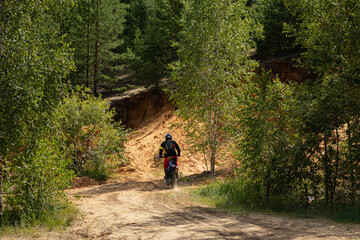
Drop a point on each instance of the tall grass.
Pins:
(240, 194)
(55, 219)
(232, 193)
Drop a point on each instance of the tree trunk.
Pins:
(334, 182)
(96, 63)
(352, 167)
(1, 176)
(212, 159)
(213, 139)
(2, 7)
(326, 169)
(267, 188)
(88, 47)
(306, 191)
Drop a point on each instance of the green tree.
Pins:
(94, 28)
(135, 20)
(34, 61)
(266, 139)
(153, 48)
(272, 14)
(212, 64)
(329, 33)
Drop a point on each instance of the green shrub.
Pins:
(34, 183)
(90, 137)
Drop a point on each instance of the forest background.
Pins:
(297, 143)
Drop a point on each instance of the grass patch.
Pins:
(348, 215)
(130, 86)
(120, 89)
(56, 220)
(237, 195)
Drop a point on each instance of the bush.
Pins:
(34, 183)
(81, 138)
(90, 137)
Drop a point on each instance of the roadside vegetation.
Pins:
(297, 144)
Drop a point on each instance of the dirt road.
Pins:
(149, 210)
(138, 205)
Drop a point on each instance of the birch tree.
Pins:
(213, 63)
(34, 60)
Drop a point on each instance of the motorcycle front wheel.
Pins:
(173, 179)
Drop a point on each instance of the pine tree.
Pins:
(96, 28)
(153, 49)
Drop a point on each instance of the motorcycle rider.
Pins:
(170, 147)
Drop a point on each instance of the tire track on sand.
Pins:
(149, 210)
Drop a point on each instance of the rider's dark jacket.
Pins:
(171, 153)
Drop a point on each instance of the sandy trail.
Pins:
(149, 210)
(140, 206)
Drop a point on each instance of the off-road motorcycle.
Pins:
(172, 172)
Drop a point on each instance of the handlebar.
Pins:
(169, 157)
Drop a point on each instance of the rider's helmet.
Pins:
(168, 136)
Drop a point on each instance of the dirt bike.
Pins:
(172, 172)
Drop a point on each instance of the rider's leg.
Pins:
(166, 172)
(166, 176)
(166, 165)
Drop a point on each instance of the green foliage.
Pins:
(290, 143)
(232, 193)
(301, 142)
(136, 21)
(34, 182)
(93, 142)
(238, 193)
(272, 14)
(34, 60)
(331, 126)
(94, 28)
(212, 62)
(350, 214)
(267, 141)
(329, 32)
(57, 219)
(153, 48)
